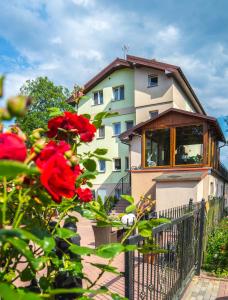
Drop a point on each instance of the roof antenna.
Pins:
(125, 50)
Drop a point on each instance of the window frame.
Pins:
(172, 146)
(128, 123)
(153, 111)
(148, 80)
(101, 137)
(127, 168)
(99, 170)
(113, 93)
(113, 126)
(144, 149)
(98, 91)
(114, 169)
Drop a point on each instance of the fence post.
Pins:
(201, 236)
(190, 205)
(128, 273)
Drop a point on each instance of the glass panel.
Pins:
(153, 114)
(117, 164)
(189, 145)
(129, 124)
(157, 147)
(152, 80)
(102, 165)
(121, 93)
(95, 97)
(116, 94)
(126, 163)
(101, 132)
(101, 97)
(117, 128)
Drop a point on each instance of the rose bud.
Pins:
(74, 160)
(4, 114)
(17, 105)
(39, 145)
(68, 154)
(36, 134)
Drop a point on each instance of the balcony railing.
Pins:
(223, 170)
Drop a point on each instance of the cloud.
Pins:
(70, 41)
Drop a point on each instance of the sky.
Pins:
(71, 40)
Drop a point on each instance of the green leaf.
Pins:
(102, 157)
(7, 292)
(44, 283)
(118, 297)
(80, 250)
(130, 247)
(64, 233)
(90, 164)
(145, 228)
(128, 198)
(27, 274)
(130, 208)
(48, 244)
(87, 116)
(11, 168)
(101, 151)
(106, 268)
(109, 250)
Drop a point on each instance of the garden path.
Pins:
(206, 288)
(113, 282)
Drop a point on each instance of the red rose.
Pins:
(49, 150)
(77, 170)
(12, 147)
(58, 178)
(84, 195)
(74, 123)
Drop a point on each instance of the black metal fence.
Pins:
(165, 274)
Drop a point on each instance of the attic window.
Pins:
(152, 80)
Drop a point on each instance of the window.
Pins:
(153, 114)
(101, 132)
(116, 128)
(118, 93)
(117, 164)
(126, 163)
(189, 145)
(157, 147)
(212, 188)
(129, 124)
(152, 80)
(98, 97)
(102, 166)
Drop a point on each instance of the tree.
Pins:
(45, 95)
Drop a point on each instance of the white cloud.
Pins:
(70, 41)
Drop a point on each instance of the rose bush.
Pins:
(41, 188)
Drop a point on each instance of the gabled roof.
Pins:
(134, 61)
(138, 128)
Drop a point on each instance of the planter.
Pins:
(149, 258)
(104, 235)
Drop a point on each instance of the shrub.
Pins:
(216, 258)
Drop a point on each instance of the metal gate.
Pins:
(164, 275)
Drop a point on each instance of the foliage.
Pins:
(216, 259)
(43, 187)
(45, 95)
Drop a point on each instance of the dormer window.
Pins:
(98, 97)
(152, 80)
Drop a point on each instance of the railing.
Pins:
(223, 170)
(163, 275)
(123, 187)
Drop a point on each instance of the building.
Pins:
(138, 89)
(176, 157)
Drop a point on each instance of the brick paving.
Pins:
(206, 288)
(200, 288)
